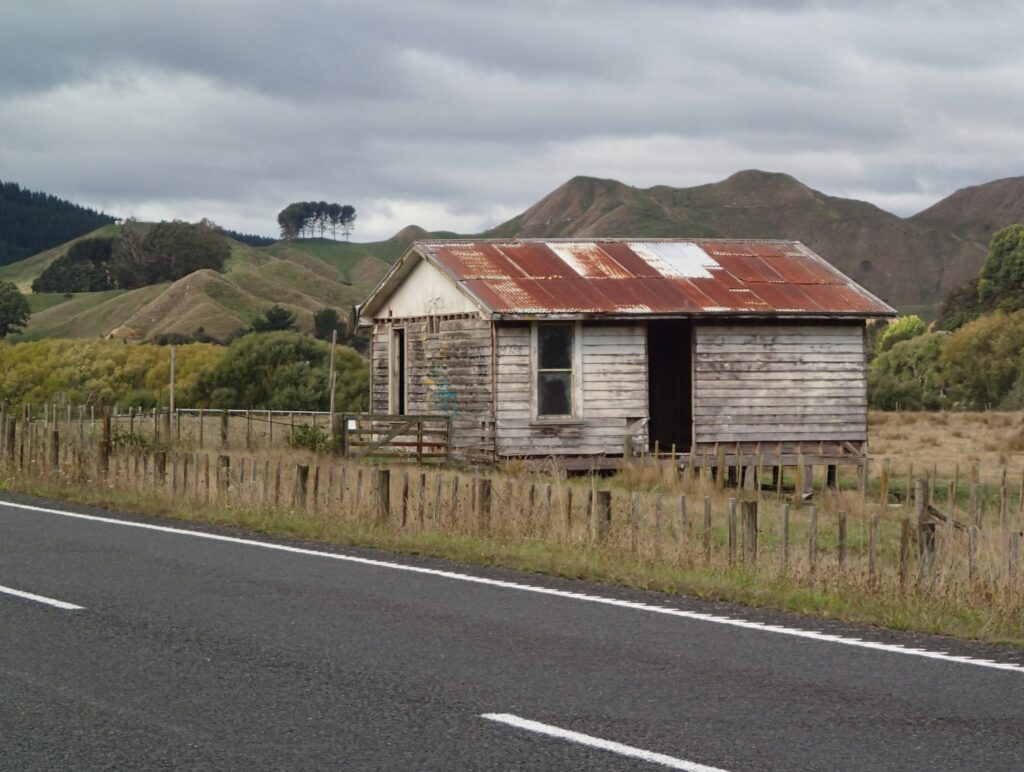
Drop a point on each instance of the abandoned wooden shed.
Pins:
(587, 349)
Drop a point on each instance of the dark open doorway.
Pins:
(398, 374)
(670, 380)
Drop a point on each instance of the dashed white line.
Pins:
(596, 742)
(40, 599)
(795, 632)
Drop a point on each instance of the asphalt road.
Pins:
(208, 653)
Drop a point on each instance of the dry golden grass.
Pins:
(546, 522)
(943, 441)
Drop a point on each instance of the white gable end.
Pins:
(425, 291)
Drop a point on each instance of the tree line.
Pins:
(308, 218)
(31, 221)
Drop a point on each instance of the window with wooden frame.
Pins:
(556, 359)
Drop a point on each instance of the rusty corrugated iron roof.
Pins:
(637, 277)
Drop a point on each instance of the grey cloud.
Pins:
(468, 107)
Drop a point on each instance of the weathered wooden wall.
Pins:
(448, 371)
(775, 383)
(614, 390)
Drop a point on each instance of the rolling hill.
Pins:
(302, 276)
(908, 262)
(977, 212)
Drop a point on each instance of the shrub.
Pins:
(100, 372)
(900, 329)
(311, 437)
(911, 375)
(167, 252)
(982, 360)
(283, 371)
(85, 268)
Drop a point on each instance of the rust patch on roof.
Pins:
(656, 276)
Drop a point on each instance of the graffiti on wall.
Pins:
(440, 392)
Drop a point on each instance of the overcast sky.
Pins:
(457, 115)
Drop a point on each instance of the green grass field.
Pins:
(41, 301)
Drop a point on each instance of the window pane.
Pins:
(554, 394)
(554, 344)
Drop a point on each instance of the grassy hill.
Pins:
(904, 261)
(303, 276)
(910, 262)
(975, 213)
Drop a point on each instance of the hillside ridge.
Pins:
(907, 262)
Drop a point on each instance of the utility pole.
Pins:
(333, 375)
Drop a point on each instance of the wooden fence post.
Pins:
(785, 538)
(421, 504)
(842, 539)
(104, 449)
(301, 486)
(904, 551)
(732, 531)
(873, 552)
(382, 493)
(483, 504)
(707, 529)
(925, 528)
(812, 540)
(54, 449)
(602, 515)
(160, 467)
(223, 476)
(634, 524)
(681, 525)
(224, 428)
(405, 498)
(748, 510)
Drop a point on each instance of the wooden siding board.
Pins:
(446, 372)
(614, 390)
(771, 383)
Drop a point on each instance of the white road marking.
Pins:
(796, 632)
(40, 599)
(596, 742)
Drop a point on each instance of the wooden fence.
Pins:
(648, 513)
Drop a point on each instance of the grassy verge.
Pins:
(832, 598)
